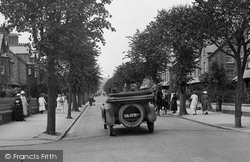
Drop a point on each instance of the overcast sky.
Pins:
(127, 16)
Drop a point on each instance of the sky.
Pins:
(127, 17)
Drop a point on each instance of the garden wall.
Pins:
(6, 108)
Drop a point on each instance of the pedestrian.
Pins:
(153, 88)
(24, 103)
(194, 102)
(17, 112)
(173, 102)
(65, 103)
(158, 99)
(42, 103)
(165, 103)
(46, 100)
(205, 103)
(59, 106)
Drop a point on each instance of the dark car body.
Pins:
(130, 109)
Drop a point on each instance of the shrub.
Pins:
(11, 92)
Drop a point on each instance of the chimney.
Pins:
(13, 39)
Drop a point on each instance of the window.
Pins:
(248, 64)
(3, 68)
(229, 59)
(35, 73)
(195, 73)
(167, 76)
(29, 71)
(204, 67)
(11, 70)
(230, 74)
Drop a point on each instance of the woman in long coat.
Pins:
(17, 113)
(205, 102)
(158, 99)
(173, 103)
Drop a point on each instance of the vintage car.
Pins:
(130, 109)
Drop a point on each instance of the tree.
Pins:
(109, 85)
(45, 21)
(178, 30)
(129, 73)
(148, 51)
(226, 24)
(216, 81)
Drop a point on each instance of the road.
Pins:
(174, 140)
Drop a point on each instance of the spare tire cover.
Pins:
(131, 115)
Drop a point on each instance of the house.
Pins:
(5, 60)
(19, 64)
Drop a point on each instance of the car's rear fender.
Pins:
(150, 112)
(109, 116)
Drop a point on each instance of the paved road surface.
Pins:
(174, 140)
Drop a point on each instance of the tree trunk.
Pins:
(83, 98)
(238, 104)
(70, 101)
(51, 115)
(75, 106)
(183, 110)
(79, 99)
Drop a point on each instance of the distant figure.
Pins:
(17, 113)
(25, 103)
(158, 99)
(65, 103)
(194, 102)
(173, 102)
(165, 102)
(59, 107)
(42, 103)
(205, 102)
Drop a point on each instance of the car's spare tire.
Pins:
(131, 115)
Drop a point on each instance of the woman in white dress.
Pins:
(42, 103)
(59, 107)
(25, 103)
(65, 104)
(194, 102)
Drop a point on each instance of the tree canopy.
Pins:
(226, 24)
(52, 24)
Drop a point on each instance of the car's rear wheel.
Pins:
(150, 126)
(131, 115)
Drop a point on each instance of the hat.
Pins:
(22, 92)
(18, 94)
(205, 92)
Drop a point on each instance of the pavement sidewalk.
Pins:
(31, 131)
(217, 119)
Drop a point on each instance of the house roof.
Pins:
(195, 80)
(246, 75)
(20, 49)
(165, 83)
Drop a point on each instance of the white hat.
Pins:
(205, 92)
(18, 94)
(22, 92)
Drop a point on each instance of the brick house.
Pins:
(19, 65)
